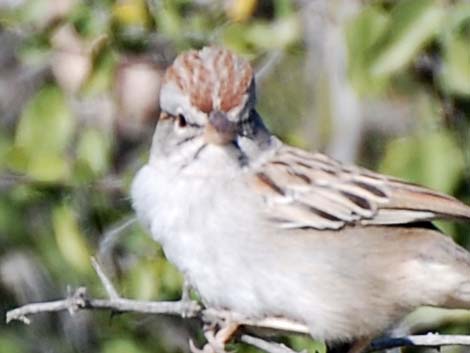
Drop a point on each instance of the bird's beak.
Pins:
(220, 130)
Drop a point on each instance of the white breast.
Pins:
(206, 226)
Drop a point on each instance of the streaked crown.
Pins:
(211, 79)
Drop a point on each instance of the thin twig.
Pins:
(267, 66)
(108, 286)
(113, 234)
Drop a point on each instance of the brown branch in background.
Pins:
(79, 300)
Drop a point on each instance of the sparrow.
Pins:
(264, 229)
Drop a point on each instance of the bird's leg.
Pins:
(218, 339)
(217, 334)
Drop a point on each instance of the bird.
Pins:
(265, 229)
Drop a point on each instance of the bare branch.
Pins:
(191, 309)
(188, 308)
(79, 301)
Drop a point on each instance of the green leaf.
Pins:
(11, 231)
(101, 78)
(306, 344)
(234, 37)
(48, 166)
(17, 159)
(144, 281)
(131, 13)
(45, 129)
(122, 345)
(362, 34)
(454, 76)
(9, 344)
(46, 122)
(35, 12)
(455, 73)
(71, 242)
(84, 19)
(277, 34)
(169, 21)
(5, 146)
(171, 279)
(433, 160)
(280, 33)
(412, 24)
(283, 8)
(93, 152)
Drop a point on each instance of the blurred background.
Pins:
(385, 84)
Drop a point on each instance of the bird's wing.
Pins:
(306, 190)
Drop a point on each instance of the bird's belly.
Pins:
(212, 232)
(207, 234)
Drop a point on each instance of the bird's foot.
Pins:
(217, 336)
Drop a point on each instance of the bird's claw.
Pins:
(216, 339)
(212, 346)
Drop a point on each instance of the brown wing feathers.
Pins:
(410, 197)
(312, 190)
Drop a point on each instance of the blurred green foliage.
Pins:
(43, 133)
(71, 137)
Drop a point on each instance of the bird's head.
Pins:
(207, 98)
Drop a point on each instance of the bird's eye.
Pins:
(181, 120)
